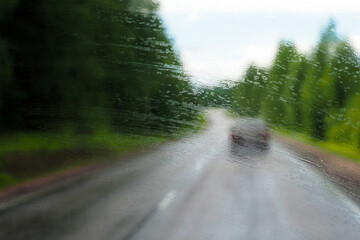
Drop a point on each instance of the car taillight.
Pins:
(266, 135)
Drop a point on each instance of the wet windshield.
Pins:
(179, 119)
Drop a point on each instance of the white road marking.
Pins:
(167, 200)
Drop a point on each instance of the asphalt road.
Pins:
(202, 187)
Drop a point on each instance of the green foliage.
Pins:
(6, 7)
(217, 96)
(345, 73)
(274, 103)
(247, 94)
(6, 83)
(314, 101)
(297, 73)
(344, 149)
(316, 94)
(85, 76)
(85, 65)
(6, 180)
(346, 126)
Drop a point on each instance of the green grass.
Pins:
(27, 155)
(7, 180)
(341, 149)
(122, 143)
(33, 141)
(24, 156)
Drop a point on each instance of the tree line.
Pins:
(87, 65)
(316, 93)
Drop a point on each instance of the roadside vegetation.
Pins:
(33, 154)
(314, 97)
(28, 155)
(84, 80)
(342, 149)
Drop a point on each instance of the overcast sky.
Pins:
(217, 39)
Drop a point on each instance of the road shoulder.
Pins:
(343, 170)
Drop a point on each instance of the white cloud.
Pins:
(355, 41)
(304, 46)
(259, 55)
(213, 67)
(210, 68)
(195, 7)
(217, 58)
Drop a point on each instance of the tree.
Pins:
(297, 75)
(273, 108)
(88, 65)
(345, 72)
(248, 93)
(315, 99)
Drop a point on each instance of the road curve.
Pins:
(202, 187)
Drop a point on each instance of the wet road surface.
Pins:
(202, 187)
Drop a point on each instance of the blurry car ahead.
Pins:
(252, 131)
